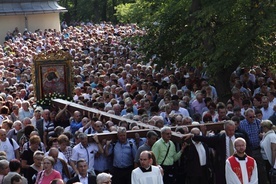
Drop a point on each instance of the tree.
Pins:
(221, 34)
(87, 10)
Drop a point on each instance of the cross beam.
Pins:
(144, 128)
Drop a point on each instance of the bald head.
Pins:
(27, 121)
(3, 135)
(53, 152)
(77, 116)
(195, 131)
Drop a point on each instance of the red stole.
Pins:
(235, 165)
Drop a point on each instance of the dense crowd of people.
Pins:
(40, 145)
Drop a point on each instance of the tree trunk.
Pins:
(222, 84)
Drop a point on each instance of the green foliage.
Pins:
(92, 10)
(89, 10)
(221, 33)
(124, 12)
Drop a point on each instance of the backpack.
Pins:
(11, 141)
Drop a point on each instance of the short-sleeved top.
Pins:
(124, 154)
(88, 153)
(8, 148)
(43, 179)
(31, 175)
(28, 156)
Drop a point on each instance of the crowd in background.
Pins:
(111, 75)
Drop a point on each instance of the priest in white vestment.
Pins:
(240, 168)
(146, 173)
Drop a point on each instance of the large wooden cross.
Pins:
(144, 128)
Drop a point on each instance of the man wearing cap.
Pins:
(37, 115)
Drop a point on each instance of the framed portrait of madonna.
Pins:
(52, 75)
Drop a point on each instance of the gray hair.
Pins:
(102, 177)
(229, 123)
(82, 136)
(17, 122)
(121, 130)
(267, 123)
(165, 128)
(3, 164)
(248, 110)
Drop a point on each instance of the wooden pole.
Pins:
(144, 128)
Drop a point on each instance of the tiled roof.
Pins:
(16, 7)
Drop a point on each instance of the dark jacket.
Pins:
(272, 118)
(193, 162)
(40, 128)
(218, 142)
(91, 179)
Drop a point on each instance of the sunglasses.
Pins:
(251, 117)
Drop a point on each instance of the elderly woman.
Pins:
(49, 173)
(104, 178)
(4, 169)
(35, 168)
(27, 155)
(268, 144)
(64, 142)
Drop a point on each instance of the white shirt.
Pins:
(8, 148)
(227, 145)
(152, 177)
(84, 180)
(87, 153)
(201, 152)
(267, 112)
(60, 155)
(34, 120)
(182, 111)
(272, 103)
(232, 178)
(23, 114)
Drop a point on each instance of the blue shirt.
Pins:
(58, 166)
(75, 126)
(124, 154)
(253, 130)
(135, 111)
(102, 163)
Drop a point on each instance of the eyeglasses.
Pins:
(251, 117)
